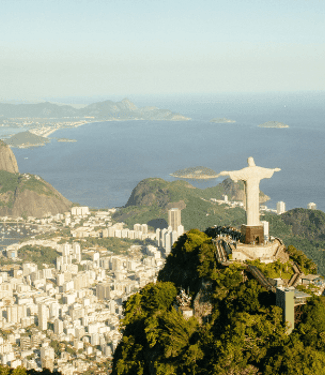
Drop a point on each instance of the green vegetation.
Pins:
(303, 230)
(26, 139)
(8, 181)
(56, 346)
(134, 214)
(115, 245)
(36, 185)
(8, 184)
(275, 269)
(236, 327)
(11, 183)
(307, 265)
(152, 198)
(38, 255)
(195, 172)
(5, 370)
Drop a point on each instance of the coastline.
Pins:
(46, 131)
(192, 177)
(49, 126)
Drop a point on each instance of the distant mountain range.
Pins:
(123, 110)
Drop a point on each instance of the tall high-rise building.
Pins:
(15, 313)
(158, 236)
(163, 233)
(180, 230)
(66, 249)
(280, 208)
(42, 317)
(266, 230)
(144, 228)
(168, 242)
(47, 357)
(103, 291)
(174, 218)
(58, 326)
(137, 227)
(54, 310)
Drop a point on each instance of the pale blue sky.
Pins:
(51, 48)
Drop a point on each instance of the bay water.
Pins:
(110, 158)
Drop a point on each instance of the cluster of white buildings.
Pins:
(166, 237)
(226, 201)
(139, 231)
(280, 206)
(77, 303)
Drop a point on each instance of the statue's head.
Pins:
(251, 162)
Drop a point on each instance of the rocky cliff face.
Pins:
(236, 192)
(8, 161)
(26, 195)
(148, 192)
(156, 191)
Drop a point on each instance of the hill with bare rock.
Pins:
(26, 194)
(151, 199)
(29, 195)
(8, 161)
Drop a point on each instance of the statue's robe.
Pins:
(252, 176)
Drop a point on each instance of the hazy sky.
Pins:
(51, 48)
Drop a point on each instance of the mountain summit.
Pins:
(206, 319)
(8, 161)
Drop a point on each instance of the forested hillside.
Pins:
(235, 329)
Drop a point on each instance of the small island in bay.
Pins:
(222, 120)
(273, 124)
(66, 140)
(197, 173)
(26, 140)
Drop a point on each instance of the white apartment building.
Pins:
(280, 207)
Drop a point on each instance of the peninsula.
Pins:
(273, 124)
(196, 173)
(43, 119)
(26, 140)
(107, 110)
(222, 120)
(66, 140)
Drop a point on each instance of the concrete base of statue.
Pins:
(253, 234)
(266, 253)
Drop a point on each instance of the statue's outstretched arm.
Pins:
(224, 173)
(277, 169)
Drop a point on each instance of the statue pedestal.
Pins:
(253, 233)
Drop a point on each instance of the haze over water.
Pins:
(110, 158)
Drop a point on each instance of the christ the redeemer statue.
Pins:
(251, 175)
